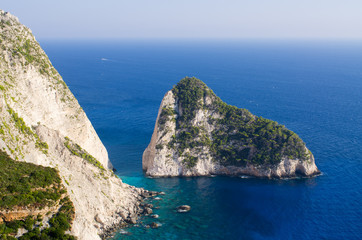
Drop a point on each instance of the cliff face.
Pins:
(197, 134)
(42, 123)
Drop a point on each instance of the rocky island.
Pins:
(197, 134)
(56, 180)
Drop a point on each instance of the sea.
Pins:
(314, 88)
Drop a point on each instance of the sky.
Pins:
(214, 19)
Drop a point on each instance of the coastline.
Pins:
(132, 219)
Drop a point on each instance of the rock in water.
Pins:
(155, 225)
(148, 211)
(183, 208)
(45, 125)
(197, 134)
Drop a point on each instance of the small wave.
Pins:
(104, 59)
(244, 176)
(124, 232)
(181, 211)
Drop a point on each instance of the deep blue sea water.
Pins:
(313, 88)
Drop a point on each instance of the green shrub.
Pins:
(159, 146)
(19, 179)
(76, 150)
(29, 185)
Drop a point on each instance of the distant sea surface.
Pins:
(313, 88)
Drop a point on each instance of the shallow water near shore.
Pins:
(313, 88)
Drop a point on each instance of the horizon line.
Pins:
(196, 39)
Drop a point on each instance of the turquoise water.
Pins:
(314, 88)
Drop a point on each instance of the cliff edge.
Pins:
(197, 134)
(42, 123)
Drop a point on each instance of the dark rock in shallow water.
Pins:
(155, 225)
(147, 194)
(147, 205)
(183, 208)
(153, 193)
(148, 210)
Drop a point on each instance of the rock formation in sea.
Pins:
(197, 134)
(43, 123)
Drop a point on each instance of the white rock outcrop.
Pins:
(39, 115)
(163, 158)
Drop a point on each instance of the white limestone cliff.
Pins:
(162, 160)
(39, 116)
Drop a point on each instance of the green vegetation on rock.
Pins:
(189, 92)
(26, 184)
(24, 129)
(19, 49)
(76, 150)
(166, 113)
(19, 122)
(238, 137)
(59, 222)
(23, 46)
(29, 186)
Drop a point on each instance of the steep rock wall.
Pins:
(42, 123)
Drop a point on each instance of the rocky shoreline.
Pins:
(143, 209)
(245, 175)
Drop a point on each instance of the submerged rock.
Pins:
(196, 134)
(155, 225)
(183, 208)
